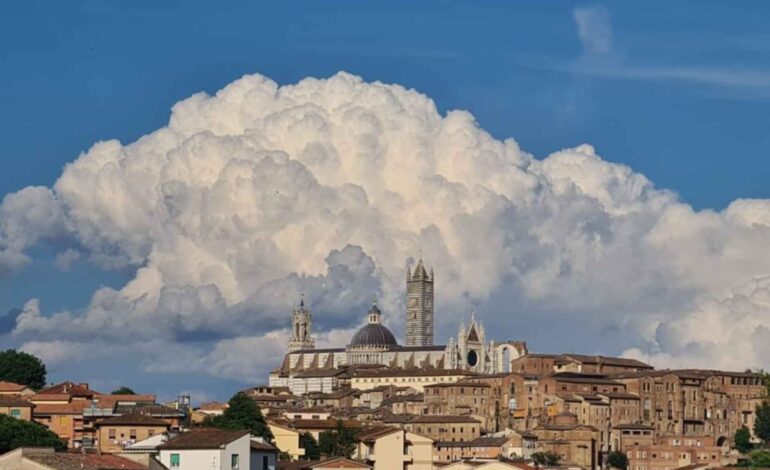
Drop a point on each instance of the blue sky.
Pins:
(678, 91)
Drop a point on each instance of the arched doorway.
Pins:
(722, 441)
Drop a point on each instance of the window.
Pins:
(16, 413)
(132, 434)
(174, 460)
(234, 461)
(111, 433)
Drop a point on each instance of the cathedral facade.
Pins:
(375, 345)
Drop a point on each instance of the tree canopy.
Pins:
(22, 368)
(308, 442)
(742, 440)
(123, 391)
(762, 422)
(760, 459)
(617, 460)
(15, 433)
(548, 458)
(338, 442)
(242, 413)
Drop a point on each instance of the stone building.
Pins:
(549, 364)
(575, 443)
(461, 398)
(674, 452)
(696, 402)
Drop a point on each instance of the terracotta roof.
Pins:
(410, 372)
(6, 400)
(323, 423)
(590, 379)
(489, 442)
(263, 446)
(40, 397)
(204, 438)
(320, 373)
(104, 399)
(431, 419)
(139, 419)
(78, 461)
(338, 463)
(632, 426)
(69, 388)
(152, 410)
(611, 361)
(11, 387)
(74, 408)
(318, 464)
(213, 406)
(370, 435)
(459, 383)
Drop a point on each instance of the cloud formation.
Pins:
(594, 28)
(261, 192)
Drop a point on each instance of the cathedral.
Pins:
(375, 345)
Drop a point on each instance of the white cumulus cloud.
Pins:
(327, 187)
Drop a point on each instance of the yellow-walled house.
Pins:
(286, 440)
(388, 448)
(16, 407)
(115, 433)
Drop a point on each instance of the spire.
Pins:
(419, 271)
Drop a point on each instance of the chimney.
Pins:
(84, 385)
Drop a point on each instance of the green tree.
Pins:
(308, 442)
(16, 433)
(742, 440)
(617, 460)
(242, 413)
(760, 459)
(338, 442)
(22, 368)
(547, 459)
(123, 391)
(765, 376)
(762, 422)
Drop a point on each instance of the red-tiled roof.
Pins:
(11, 387)
(76, 408)
(69, 388)
(78, 461)
(204, 438)
(138, 419)
(6, 400)
(213, 406)
(431, 419)
(370, 435)
(263, 446)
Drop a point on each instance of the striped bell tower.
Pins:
(419, 306)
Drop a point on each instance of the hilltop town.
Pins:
(374, 403)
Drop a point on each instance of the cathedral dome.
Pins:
(373, 334)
